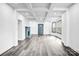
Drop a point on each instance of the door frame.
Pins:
(42, 29)
(27, 32)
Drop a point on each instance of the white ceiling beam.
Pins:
(54, 9)
(30, 6)
(33, 17)
(40, 9)
(33, 12)
(29, 17)
(59, 9)
(34, 9)
(50, 11)
(22, 10)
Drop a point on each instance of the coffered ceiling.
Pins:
(40, 11)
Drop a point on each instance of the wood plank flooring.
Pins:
(44, 46)
(40, 46)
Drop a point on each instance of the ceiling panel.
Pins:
(26, 14)
(40, 5)
(19, 5)
(62, 5)
(40, 10)
(40, 14)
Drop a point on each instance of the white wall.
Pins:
(8, 27)
(73, 29)
(65, 28)
(74, 26)
(19, 30)
(9, 33)
(34, 26)
(47, 27)
(21, 26)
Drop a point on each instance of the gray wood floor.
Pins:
(44, 46)
(39, 46)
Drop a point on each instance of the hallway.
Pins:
(21, 25)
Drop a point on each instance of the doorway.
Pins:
(19, 30)
(27, 32)
(40, 29)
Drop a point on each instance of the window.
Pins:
(54, 27)
(57, 27)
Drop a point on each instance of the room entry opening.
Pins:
(27, 32)
(40, 29)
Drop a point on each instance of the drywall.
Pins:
(71, 27)
(34, 26)
(19, 30)
(8, 27)
(74, 26)
(65, 28)
(47, 27)
(21, 26)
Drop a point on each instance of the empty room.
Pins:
(39, 29)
